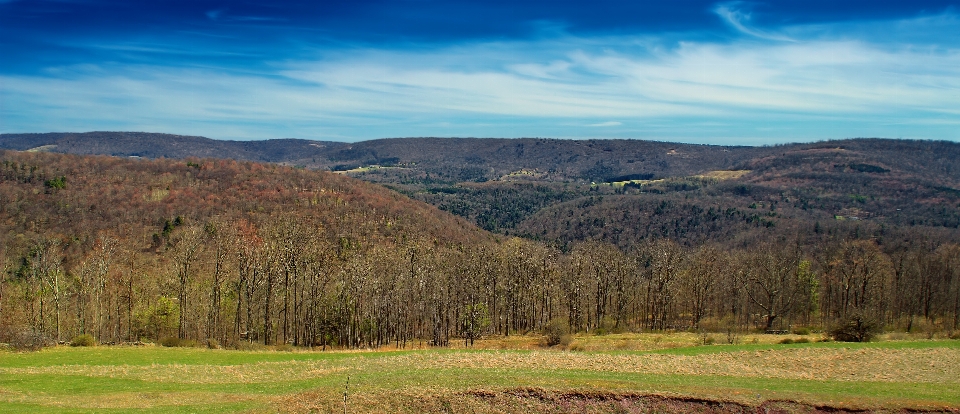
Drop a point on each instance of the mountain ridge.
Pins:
(535, 187)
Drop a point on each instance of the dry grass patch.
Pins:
(724, 174)
(931, 365)
(128, 400)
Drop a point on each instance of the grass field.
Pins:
(891, 375)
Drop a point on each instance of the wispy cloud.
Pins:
(740, 91)
(220, 15)
(733, 13)
(606, 124)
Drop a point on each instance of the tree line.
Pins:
(277, 280)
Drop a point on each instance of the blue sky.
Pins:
(690, 71)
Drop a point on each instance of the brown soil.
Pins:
(618, 402)
(539, 400)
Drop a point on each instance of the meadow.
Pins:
(611, 373)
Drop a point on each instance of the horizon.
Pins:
(696, 72)
(785, 143)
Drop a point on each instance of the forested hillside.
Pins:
(875, 185)
(194, 248)
(226, 252)
(572, 190)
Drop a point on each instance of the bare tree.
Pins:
(186, 245)
(661, 264)
(774, 282)
(46, 263)
(700, 279)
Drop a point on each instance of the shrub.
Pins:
(285, 348)
(554, 331)
(801, 341)
(955, 335)
(566, 340)
(29, 341)
(170, 341)
(83, 340)
(858, 328)
(786, 341)
(608, 325)
(213, 344)
(801, 331)
(188, 343)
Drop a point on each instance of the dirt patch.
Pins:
(540, 400)
(614, 402)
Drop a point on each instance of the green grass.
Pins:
(139, 356)
(156, 379)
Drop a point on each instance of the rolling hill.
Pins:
(614, 190)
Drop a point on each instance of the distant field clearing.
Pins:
(710, 175)
(724, 174)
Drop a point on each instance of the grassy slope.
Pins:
(919, 374)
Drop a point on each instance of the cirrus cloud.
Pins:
(829, 81)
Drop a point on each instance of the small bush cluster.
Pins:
(858, 328)
(608, 325)
(83, 340)
(29, 341)
(554, 332)
(172, 342)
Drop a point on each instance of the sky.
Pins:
(738, 72)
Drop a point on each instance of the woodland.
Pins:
(227, 252)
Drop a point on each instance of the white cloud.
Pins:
(823, 85)
(738, 19)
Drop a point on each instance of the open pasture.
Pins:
(889, 375)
